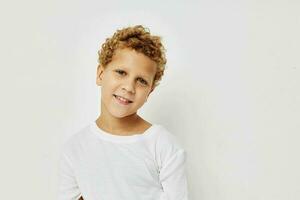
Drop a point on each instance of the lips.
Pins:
(122, 99)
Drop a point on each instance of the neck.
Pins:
(113, 124)
(128, 125)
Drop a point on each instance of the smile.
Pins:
(122, 100)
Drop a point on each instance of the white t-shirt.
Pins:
(98, 165)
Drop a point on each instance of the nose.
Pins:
(128, 85)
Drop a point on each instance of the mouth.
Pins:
(122, 99)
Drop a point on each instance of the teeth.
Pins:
(122, 99)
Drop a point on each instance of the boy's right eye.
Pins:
(121, 72)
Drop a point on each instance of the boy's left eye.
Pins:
(143, 81)
(121, 72)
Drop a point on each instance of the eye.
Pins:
(121, 72)
(143, 81)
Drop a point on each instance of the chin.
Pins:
(120, 115)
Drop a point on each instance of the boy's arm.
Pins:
(68, 188)
(173, 177)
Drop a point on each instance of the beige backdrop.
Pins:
(231, 91)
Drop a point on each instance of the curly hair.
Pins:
(139, 39)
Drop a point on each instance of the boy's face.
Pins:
(129, 75)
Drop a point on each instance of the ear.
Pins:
(99, 77)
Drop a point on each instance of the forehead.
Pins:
(133, 60)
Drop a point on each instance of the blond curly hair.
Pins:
(139, 39)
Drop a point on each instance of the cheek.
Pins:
(106, 93)
(143, 94)
(109, 84)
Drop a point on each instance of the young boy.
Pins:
(121, 156)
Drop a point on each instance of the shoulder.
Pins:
(168, 145)
(167, 138)
(73, 143)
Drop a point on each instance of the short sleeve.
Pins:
(68, 188)
(173, 177)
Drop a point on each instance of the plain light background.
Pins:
(231, 90)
